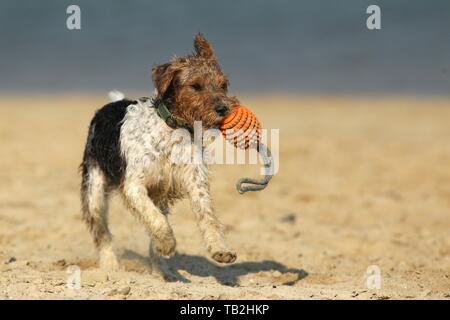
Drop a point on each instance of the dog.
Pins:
(128, 150)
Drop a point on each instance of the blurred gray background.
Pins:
(312, 46)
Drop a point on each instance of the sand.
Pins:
(363, 182)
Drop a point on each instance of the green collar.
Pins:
(164, 113)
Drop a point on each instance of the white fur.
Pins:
(115, 95)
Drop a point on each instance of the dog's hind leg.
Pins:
(94, 200)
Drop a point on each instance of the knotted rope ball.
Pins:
(241, 128)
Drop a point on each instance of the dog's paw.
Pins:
(108, 261)
(165, 247)
(224, 256)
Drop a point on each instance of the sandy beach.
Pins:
(362, 181)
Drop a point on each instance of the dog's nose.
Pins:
(221, 109)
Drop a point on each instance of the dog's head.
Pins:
(194, 87)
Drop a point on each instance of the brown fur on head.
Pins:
(194, 87)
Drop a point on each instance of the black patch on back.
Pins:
(103, 145)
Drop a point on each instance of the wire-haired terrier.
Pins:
(128, 149)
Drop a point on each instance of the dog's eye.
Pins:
(196, 86)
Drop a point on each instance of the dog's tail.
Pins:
(116, 95)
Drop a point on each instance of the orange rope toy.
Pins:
(242, 129)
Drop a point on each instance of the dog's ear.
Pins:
(202, 47)
(162, 76)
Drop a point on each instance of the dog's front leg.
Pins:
(210, 227)
(146, 211)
